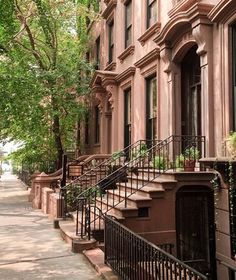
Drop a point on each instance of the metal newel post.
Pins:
(63, 183)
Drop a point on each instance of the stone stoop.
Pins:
(96, 258)
(78, 245)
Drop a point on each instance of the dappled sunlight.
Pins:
(30, 248)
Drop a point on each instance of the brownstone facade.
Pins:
(167, 67)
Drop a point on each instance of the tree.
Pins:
(42, 45)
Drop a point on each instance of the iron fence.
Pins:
(143, 166)
(134, 258)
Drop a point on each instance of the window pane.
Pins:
(128, 24)
(111, 43)
(151, 114)
(128, 37)
(151, 13)
(111, 33)
(128, 14)
(152, 88)
(97, 125)
(98, 53)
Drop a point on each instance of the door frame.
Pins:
(192, 191)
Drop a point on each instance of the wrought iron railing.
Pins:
(134, 258)
(131, 176)
(99, 169)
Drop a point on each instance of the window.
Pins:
(151, 12)
(234, 74)
(127, 117)
(232, 274)
(97, 66)
(151, 103)
(128, 24)
(110, 42)
(97, 125)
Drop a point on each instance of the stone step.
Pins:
(134, 199)
(142, 181)
(145, 191)
(117, 209)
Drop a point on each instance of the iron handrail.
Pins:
(125, 249)
(162, 151)
(90, 178)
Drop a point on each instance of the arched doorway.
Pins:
(195, 231)
(191, 93)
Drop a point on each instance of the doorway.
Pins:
(195, 228)
(191, 93)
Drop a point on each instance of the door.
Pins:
(191, 93)
(195, 228)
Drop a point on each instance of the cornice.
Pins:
(152, 55)
(222, 11)
(149, 33)
(111, 66)
(182, 6)
(110, 7)
(100, 77)
(127, 73)
(128, 51)
(97, 89)
(176, 24)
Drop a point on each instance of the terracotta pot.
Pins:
(189, 165)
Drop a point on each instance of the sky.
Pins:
(9, 147)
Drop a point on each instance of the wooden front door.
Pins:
(195, 228)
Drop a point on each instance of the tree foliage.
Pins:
(42, 46)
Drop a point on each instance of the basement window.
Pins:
(143, 212)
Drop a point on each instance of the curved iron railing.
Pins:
(141, 169)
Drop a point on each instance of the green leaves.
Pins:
(41, 65)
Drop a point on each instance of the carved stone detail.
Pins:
(165, 55)
(111, 89)
(202, 35)
(99, 97)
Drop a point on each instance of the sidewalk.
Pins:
(30, 248)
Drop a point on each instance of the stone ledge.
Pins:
(96, 258)
(78, 245)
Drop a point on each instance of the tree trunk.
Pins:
(58, 142)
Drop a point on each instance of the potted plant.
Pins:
(231, 143)
(191, 155)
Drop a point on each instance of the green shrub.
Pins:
(160, 162)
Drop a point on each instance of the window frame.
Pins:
(127, 116)
(150, 20)
(151, 107)
(98, 47)
(97, 125)
(111, 41)
(128, 27)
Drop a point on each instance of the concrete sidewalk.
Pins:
(30, 248)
